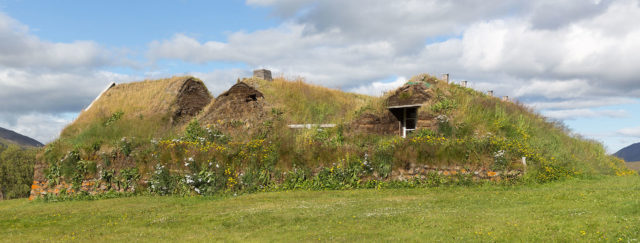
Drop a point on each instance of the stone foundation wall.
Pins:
(93, 187)
(409, 172)
(414, 171)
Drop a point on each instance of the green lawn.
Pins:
(575, 210)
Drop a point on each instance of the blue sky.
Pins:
(133, 24)
(572, 60)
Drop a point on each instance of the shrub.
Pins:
(127, 178)
(68, 164)
(196, 133)
(16, 171)
(382, 159)
(209, 180)
(444, 105)
(82, 168)
(113, 118)
(552, 172)
(124, 146)
(107, 176)
(161, 181)
(295, 178)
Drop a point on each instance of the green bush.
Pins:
(16, 171)
(113, 118)
(295, 178)
(161, 181)
(382, 160)
(124, 146)
(68, 164)
(196, 133)
(127, 178)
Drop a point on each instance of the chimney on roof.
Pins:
(445, 78)
(263, 74)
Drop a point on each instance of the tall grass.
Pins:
(149, 102)
(550, 140)
(139, 110)
(306, 103)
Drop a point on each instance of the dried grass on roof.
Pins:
(302, 102)
(409, 94)
(167, 101)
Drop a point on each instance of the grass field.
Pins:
(607, 209)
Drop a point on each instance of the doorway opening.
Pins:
(407, 117)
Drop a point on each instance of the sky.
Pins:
(574, 61)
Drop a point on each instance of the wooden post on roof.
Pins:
(262, 74)
(445, 78)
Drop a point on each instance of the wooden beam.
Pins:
(403, 106)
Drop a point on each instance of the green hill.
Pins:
(170, 136)
(10, 137)
(630, 153)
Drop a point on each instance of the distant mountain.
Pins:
(8, 136)
(630, 153)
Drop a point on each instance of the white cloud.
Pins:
(39, 126)
(503, 50)
(219, 81)
(379, 88)
(582, 102)
(404, 22)
(585, 49)
(572, 114)
(630, 132)
(39, 105)
(552, 14)
(321, 58)
(33, 91)
(42, 82)
(557, 89)
(20, 49)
